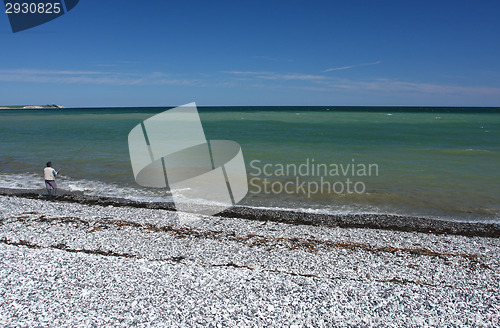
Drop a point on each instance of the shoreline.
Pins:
(33, 107)
(368, 221)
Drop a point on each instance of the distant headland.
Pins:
(32, 107)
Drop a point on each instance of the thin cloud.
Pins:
(277, 76)
(244, 72)
(90, 77)
(394, 86)
(118, 63)
(351, 66)
(257, 79)
(322, 83)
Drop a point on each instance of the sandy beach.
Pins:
(80, 265)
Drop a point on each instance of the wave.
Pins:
(465, 151)
(382, 203)
(30, 181)
(86, 187)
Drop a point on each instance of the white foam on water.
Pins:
(107, 189)
(338, 210)
(21, 181)
(30, 181)
(87, 187)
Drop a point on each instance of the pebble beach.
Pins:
(66, 264)
(250, 164)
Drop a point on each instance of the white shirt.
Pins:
(49, 173)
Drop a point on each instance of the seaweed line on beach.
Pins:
(369, 221)
(179, 259)
(309, 244)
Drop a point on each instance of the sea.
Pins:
(441, 163)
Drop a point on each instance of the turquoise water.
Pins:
(429, 162)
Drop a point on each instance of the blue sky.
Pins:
(166, 53)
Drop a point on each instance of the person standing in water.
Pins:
(50, 179)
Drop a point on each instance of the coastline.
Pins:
(454, 180)
(69, 263)
(33, 107)
(365, 220)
